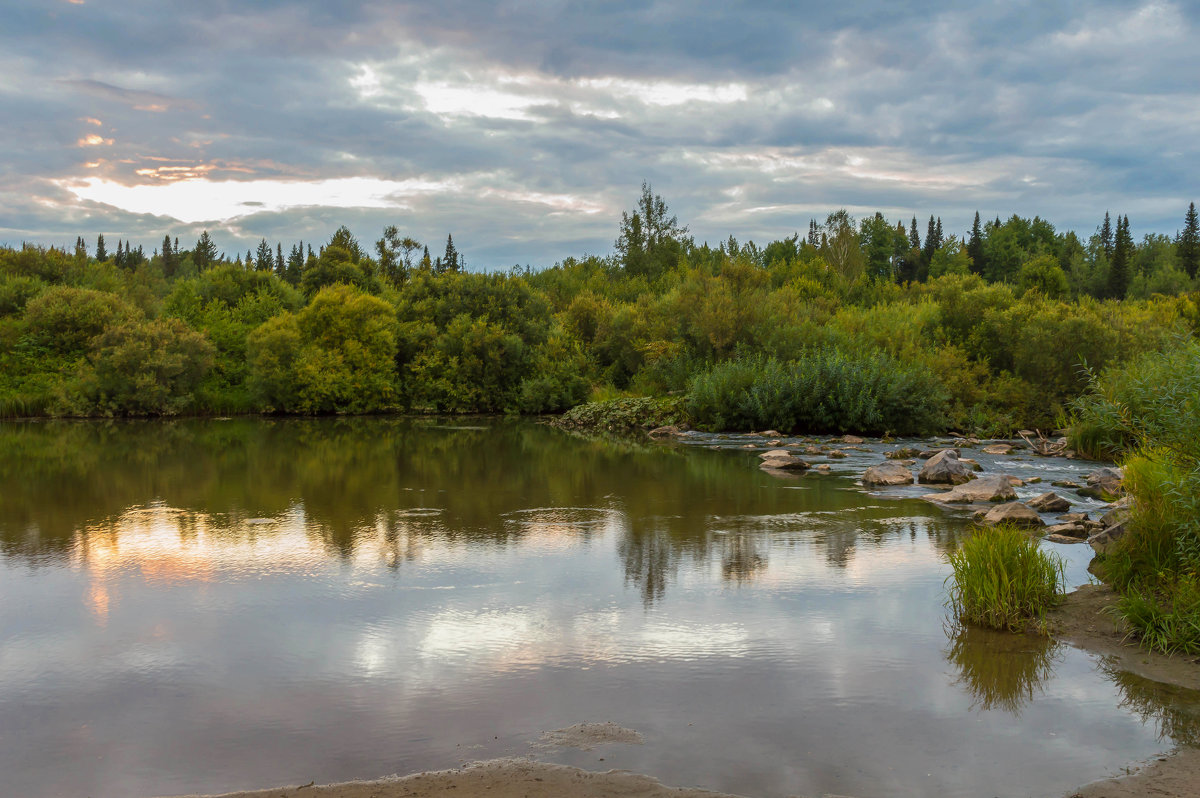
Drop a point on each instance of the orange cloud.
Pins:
(91, 121)
(92, 140)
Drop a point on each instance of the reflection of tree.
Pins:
(649, 558)
(1174, 710)
(742, 557)
(1001, 670)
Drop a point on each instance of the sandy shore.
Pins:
(1081, 620)
(499, 778)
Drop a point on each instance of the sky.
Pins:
(526, 128)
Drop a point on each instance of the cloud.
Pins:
(534, 124)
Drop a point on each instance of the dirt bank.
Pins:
(499, 778)
(1085, 620)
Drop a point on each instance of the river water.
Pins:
(209, 605)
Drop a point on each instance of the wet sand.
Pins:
(498, 778)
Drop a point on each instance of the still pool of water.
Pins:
(203, 606)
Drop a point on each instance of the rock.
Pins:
(887, 474)
(824, 468)
(775, 453)
(771, 434)
(944, 468)
(774, 442)
(1013, 513)
(972, 464)
(998, 448)
(1118, 513)
(1066, 483)
(665, 432)
(837, 454)
(903, 453)
(1103, 541)
(853, 440)
(749, 446)
(810, 449)
(1104, 483)
(781, 460)
(992, 488)
(1033, 480)
(1077, 531)
(1049, 503)
(978, 516)
(1073, 517)
(928, 453)
(1057, 538)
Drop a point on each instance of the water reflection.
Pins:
(1000, 670)
(1174, 712)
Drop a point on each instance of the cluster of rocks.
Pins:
(946, 467)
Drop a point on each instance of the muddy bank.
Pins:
(499, 778)
(1085, 619)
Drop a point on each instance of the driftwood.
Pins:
(1044, 446)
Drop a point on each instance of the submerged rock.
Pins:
(1055, 537)
(1013, 513)
(944, 468)
(838, 454)
(998, 448)
(991, 488)
(903, 453)
(887, 474)
(781, 460)
(1049, 503)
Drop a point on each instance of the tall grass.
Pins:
(1002, 579)
(825, 390)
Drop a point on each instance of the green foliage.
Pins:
(149, 368)
(1167, 619)
(1002, 579)
(823, 391)
(626, 414)
(64, 319)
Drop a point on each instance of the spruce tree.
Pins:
(101, 252)
(914, 238)
(168, 257)
(1187, 244)
(280, 265)
(1106, 236)
(931, 242)
(975, 246)
(205, 253)
(450, 259)
(263, 258)
(1118, 272)
(941, 239)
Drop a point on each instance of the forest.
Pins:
(863, 325)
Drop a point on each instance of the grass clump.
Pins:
(824, 390)
(1002, 579)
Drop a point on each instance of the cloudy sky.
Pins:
(525, 128)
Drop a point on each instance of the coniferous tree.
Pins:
(914, 238)
(1106, 236)
(80, 248)
(169, 259)
(1187, 245)
(280, 266)
(814, 233)
(931, 242)
(450, 259)
(119, 258)
(975, 246)
(1118, 272)
(295, 264)
(263, 258)
(426, 264)
(101, 252)
(941, 239)
(205, 253)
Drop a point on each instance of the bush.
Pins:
(823, 391)
(1002, 579)
(616, 415)
(149, 368)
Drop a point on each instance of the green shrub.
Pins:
(823, 391)
(617, 415)
(1165, 619)
(1002, 579)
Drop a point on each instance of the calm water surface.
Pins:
(202, 606)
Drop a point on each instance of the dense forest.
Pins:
(860, 325)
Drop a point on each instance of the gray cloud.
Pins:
(536, 122)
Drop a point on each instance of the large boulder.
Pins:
(1013, 513)
(1118, 513)
(1077, 531)
(991, 488)
(782, 460)
(1105, 484)
(944, 468)
(887, 474)
(1050, 503)
(1103, 541)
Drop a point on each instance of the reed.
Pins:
(1002, 579)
